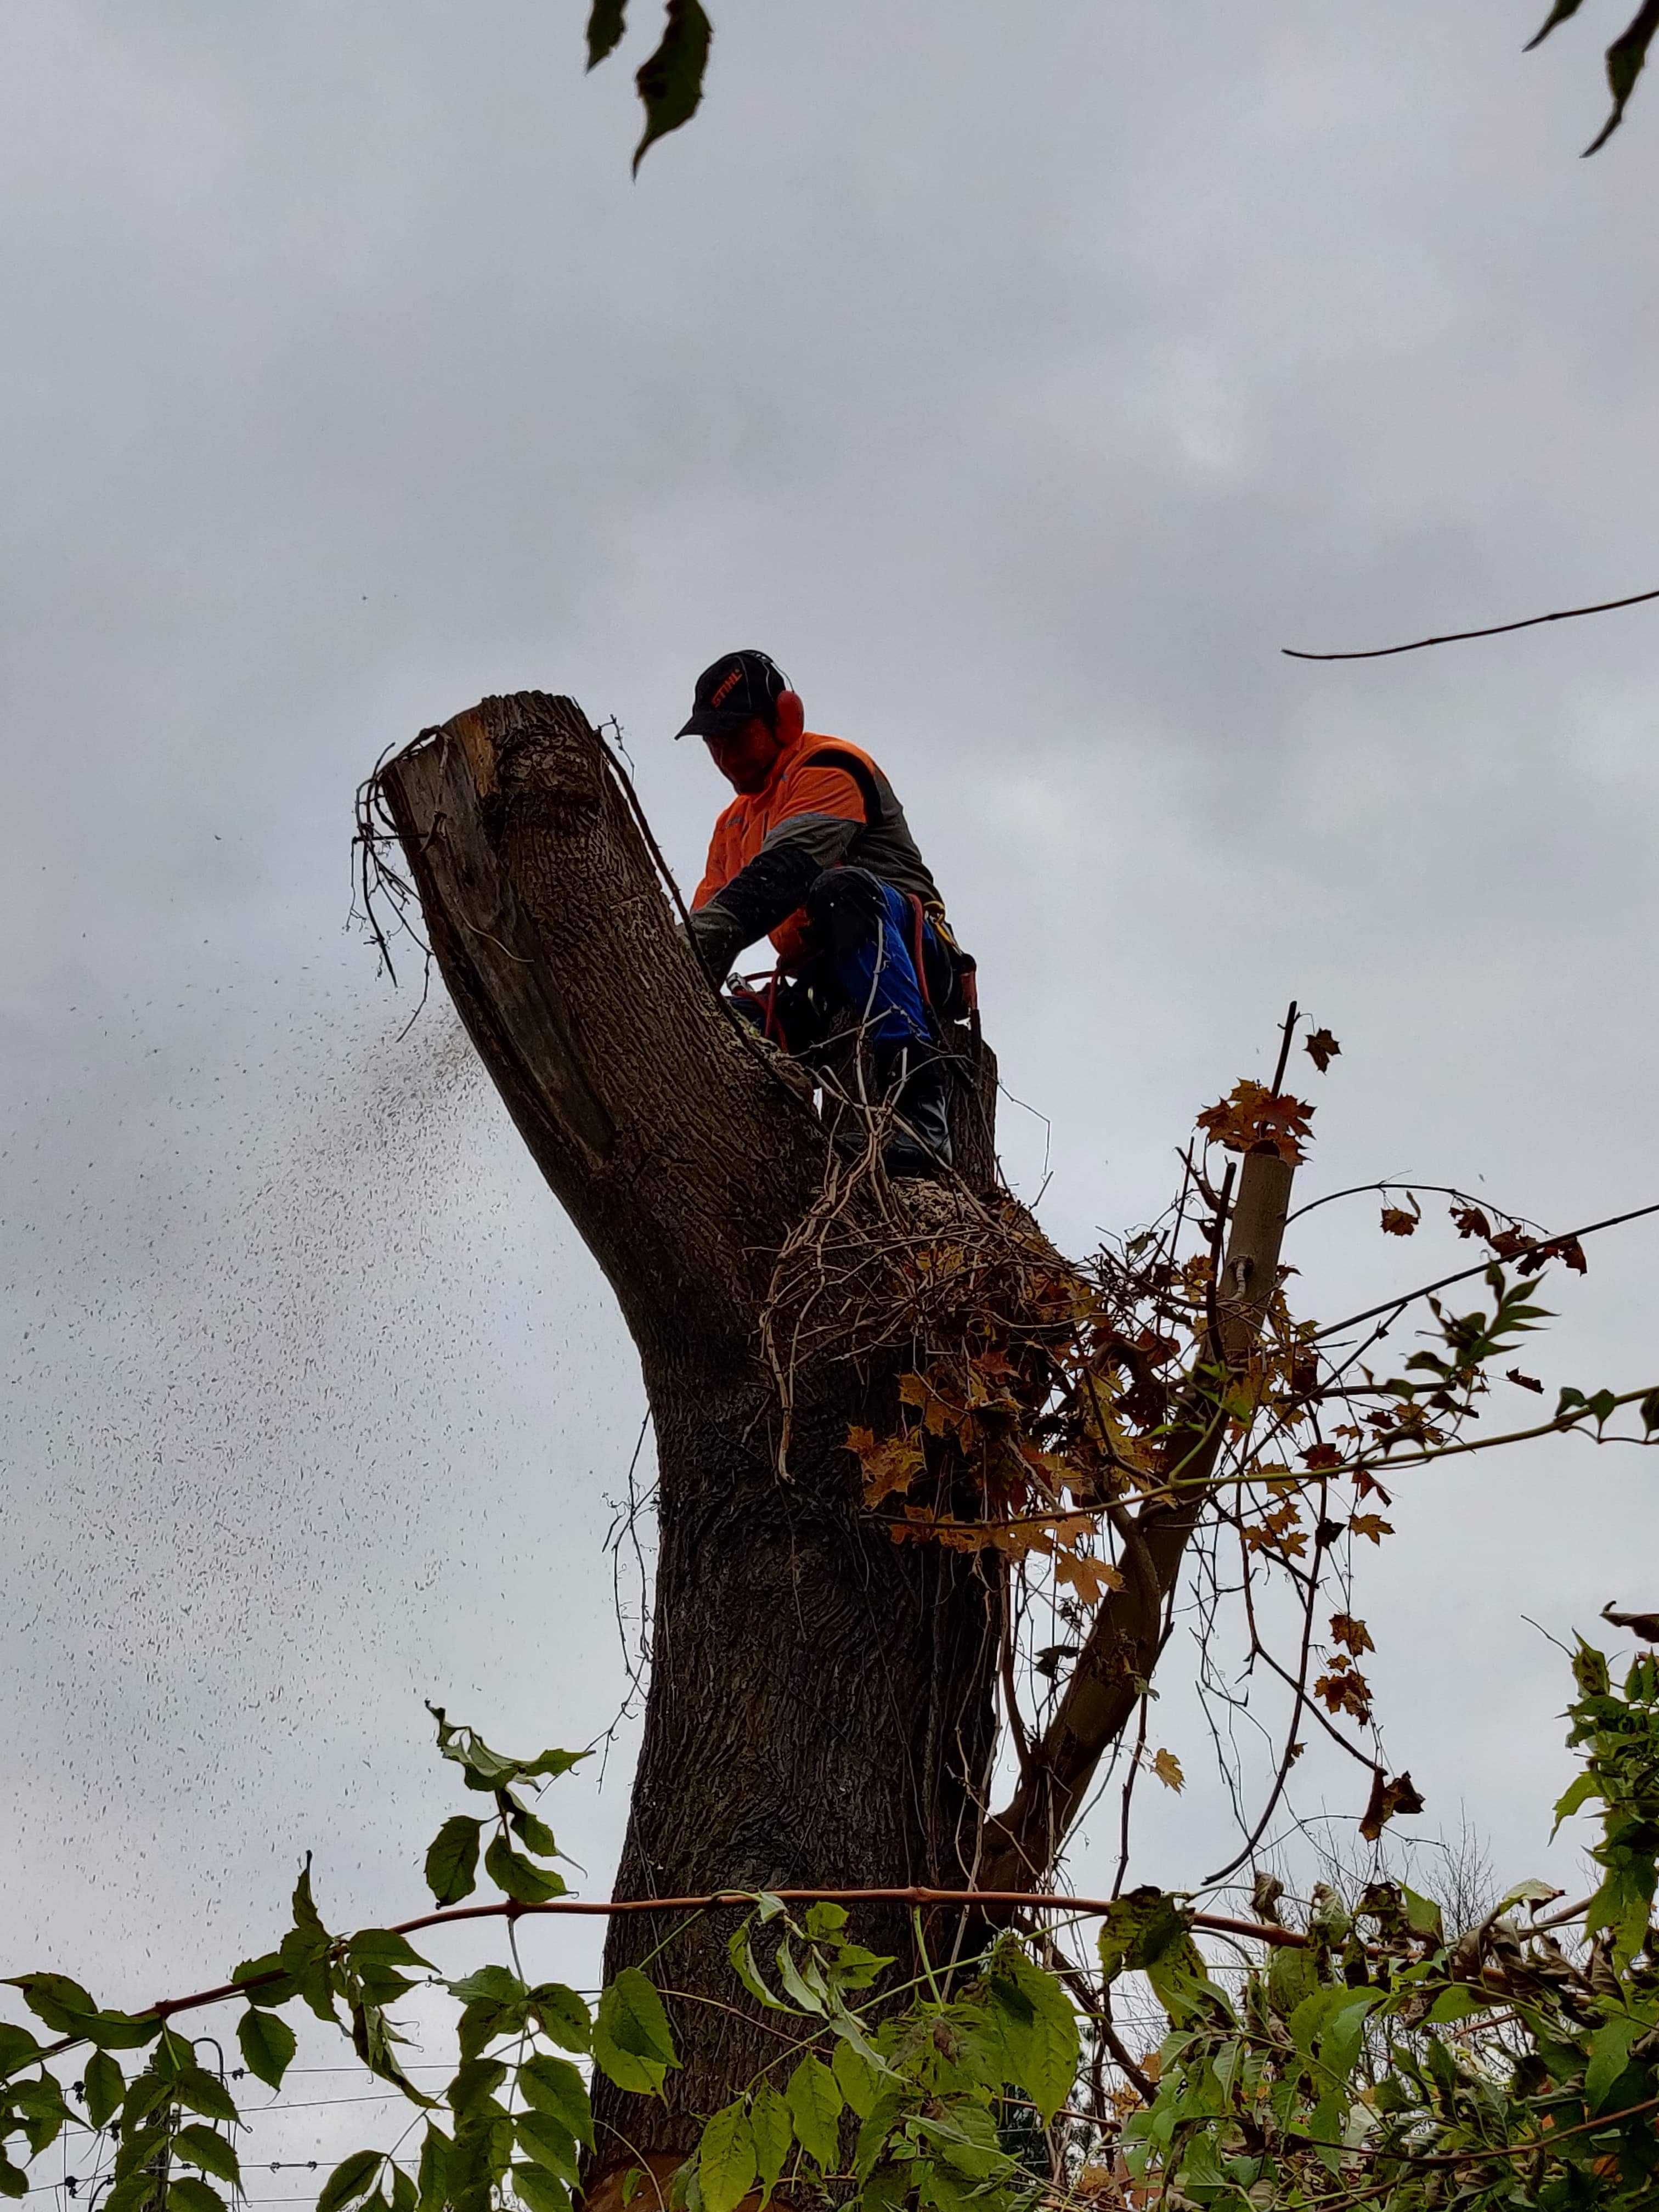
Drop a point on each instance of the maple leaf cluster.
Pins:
(1251, 1116)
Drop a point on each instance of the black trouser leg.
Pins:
(916, 1079)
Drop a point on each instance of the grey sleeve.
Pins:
(826, 838)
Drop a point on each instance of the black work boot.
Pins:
(918, 1083)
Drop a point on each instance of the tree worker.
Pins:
(815, 852)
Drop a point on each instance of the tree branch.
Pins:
(1022, 1843)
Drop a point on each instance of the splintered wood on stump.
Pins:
(819, 1709)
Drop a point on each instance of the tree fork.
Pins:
(820, 1709)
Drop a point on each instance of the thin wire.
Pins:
(1455, 636)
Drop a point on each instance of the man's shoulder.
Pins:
(819, 748)
(822, 757)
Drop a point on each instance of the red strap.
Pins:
(918, 947)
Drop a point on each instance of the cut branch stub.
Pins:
(681, 1161)
(1023, 1842)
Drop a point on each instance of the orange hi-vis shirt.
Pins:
(831, 798)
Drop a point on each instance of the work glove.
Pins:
(716, 940)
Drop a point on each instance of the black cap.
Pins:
(732, 691)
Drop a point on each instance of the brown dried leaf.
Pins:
(1397, 1222)
(1345, 1690)
(1371, 1526)
(1526, 1381)
(1321, 1048)
(1345, 1629)
(1387, 1798)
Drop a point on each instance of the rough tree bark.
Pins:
(820, 1703)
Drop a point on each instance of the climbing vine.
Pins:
(1363, 2052)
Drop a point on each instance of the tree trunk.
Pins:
(820, 1703)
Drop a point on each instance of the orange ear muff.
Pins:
(792, 716)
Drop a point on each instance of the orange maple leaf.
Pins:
(1252, 1115)
(1088, 1577)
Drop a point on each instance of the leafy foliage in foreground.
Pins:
(1370, 2056)
(1625, 57)
(669, 84)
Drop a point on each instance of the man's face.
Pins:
(746, 755)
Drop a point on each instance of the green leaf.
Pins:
(17, 2047)
(475, 2082)
(434, 2168)
(205, 2093)
(350, 2179)
(267, 2044)
(604, 29)
(550, 2144)
(121, 2031)
(480, 2023)
(885, 2189)
(130, 2193)
(305, 1914)
(268, 1981)
(1609, 2054)
(534, 2186)
(794, 1983)
(740, 1952)
(105, 2086)
(1559, 13)
(554, 2085)
(187, 2194)
(553, 1763)
(671, 82)
(771, 2125)
(13, 2180)
(451, 1864)
(1422, 1914)
(1577, 1793)
(535, 1835)
(1138, 1929)
(631, 2041)
(815, 2107)
(1339, 2046)
(1050, 2058)
(63, 2005)
(405, 2197)
(637, 2020)
(563, 2015)
(726, 2159)
(1454, 2004)
(517, 1877)
(500, 1985)
(200, 2146)
(144, 2096)
(1292, 1977)
(855, 2078)
(384, 1947)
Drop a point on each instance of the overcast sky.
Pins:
(1022, 383)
